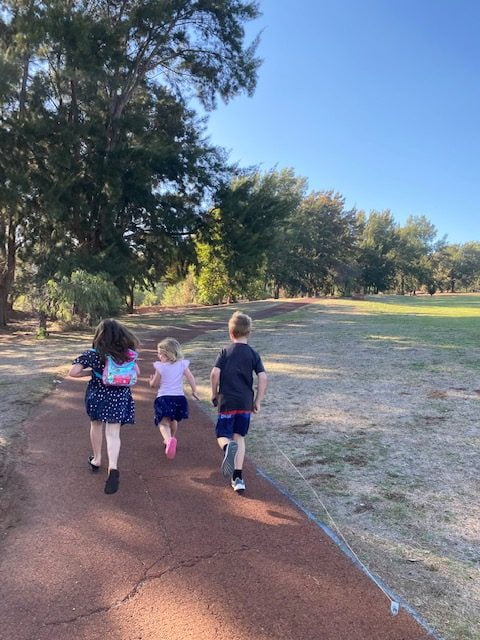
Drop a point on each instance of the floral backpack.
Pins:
(119, 375)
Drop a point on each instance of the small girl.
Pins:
(112, 406)
(170, 404)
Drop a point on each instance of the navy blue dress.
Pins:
(105, 404)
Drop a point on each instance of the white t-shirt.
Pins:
(171, 381)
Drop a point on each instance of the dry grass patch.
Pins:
(377, 404)
(30, 368)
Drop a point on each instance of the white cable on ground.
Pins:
(394, 605)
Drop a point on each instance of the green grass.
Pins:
(438, 305)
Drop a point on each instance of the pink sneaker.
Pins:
(171, 448)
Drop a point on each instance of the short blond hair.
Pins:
(240, 325)
(171, 349)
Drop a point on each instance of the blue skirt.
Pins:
(109, 404)
(173, 407)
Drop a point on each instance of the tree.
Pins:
(319, 243)
(213, 286)
(277, 268)
(114, 155)
(470, 265)
(242, 225)
(447, 266)
(15, 62)
(315, 244)
(413, 253)
(378, 240)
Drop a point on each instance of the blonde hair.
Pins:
(240, 325)
(171, 349)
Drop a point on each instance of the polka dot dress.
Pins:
(105, 404)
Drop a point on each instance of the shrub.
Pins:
(83, 296)
(212, 281)
(149, 297)
(181, 293)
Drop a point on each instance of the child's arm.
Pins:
(191, 381)
(261, 388)
(154, 379)
(215, 381)
(78, 371)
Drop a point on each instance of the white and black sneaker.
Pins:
(238, 484)
(228, 463)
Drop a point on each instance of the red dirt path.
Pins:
(175, 554)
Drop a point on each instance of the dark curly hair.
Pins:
(113, 339)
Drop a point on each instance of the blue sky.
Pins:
(376, 99)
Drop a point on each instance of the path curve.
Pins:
(175, 554)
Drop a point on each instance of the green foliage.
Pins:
(457, 267)
(256, 289)
(110, 168)
(316, 245)
(149, 297)
(413, 251)
(378, 241)
(82, 296)
(235, 248)
(181, 293)
(212, 281)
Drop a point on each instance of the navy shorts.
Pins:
(173, 407)
(230, 423)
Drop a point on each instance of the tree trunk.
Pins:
(131, 298)
(8, 247)
(42, 325)
(42, 320)
(7, 267)
(3, 305)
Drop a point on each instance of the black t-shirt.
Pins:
(237, 362)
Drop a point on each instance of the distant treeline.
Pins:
(110, 190)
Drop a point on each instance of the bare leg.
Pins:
(229, 450)
(168, 428)
(96, 437)
(240, 455)
(112, 435)
(165, 429)
(222, 441)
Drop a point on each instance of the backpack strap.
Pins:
(95, 373)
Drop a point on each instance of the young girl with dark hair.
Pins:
(109, 405)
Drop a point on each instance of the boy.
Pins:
(232, 391)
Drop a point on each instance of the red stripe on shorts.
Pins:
(234, 412)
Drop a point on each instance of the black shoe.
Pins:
(111, 485)
(93, 467)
